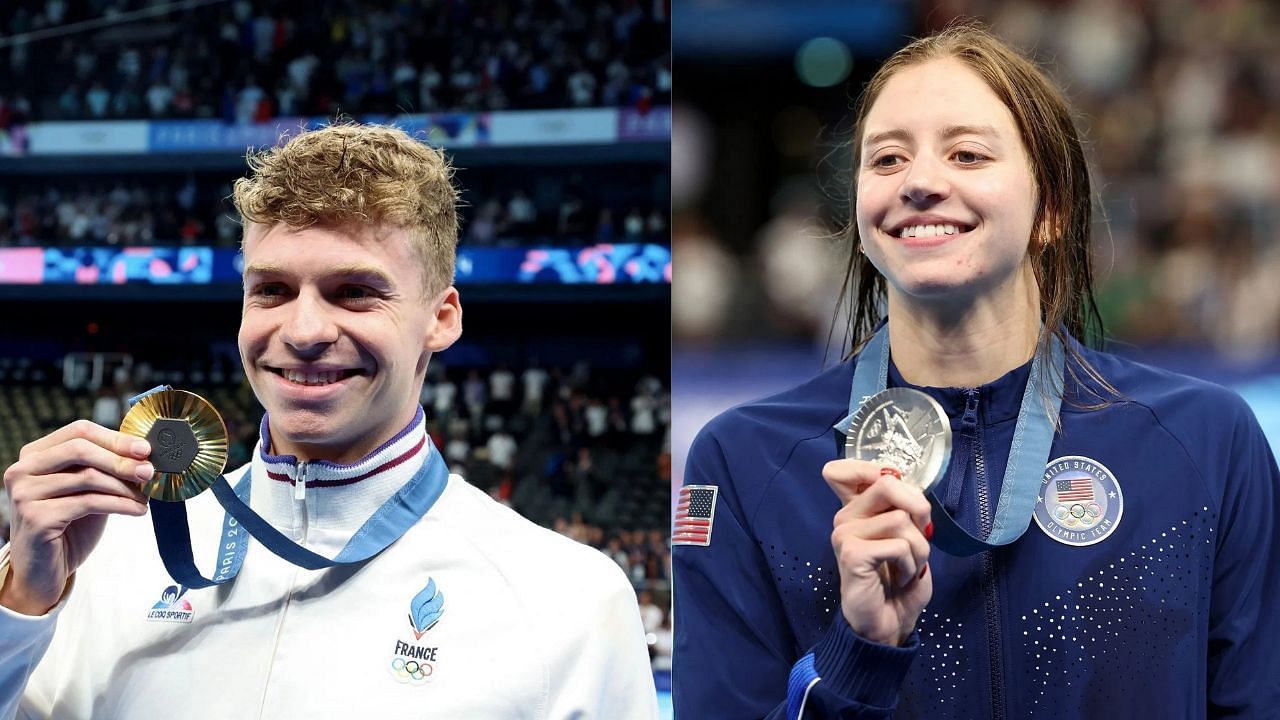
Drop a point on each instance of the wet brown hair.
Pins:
(1060, 249)
(358, 175)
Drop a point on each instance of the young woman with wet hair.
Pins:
(1103, 539)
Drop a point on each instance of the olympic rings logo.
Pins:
(1078, 514)
(410, 670)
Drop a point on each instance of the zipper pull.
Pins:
(300, 487)
(970, 418)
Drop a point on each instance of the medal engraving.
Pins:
(904, 429)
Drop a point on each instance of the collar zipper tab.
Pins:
(300, 486)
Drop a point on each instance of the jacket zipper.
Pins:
(995, 649)
(300, 485)
(299, 495)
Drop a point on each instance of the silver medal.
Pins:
(904, 429)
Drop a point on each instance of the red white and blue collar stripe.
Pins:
(396, 459)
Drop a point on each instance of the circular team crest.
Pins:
(1080, 502)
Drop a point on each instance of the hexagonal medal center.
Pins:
(173, 445)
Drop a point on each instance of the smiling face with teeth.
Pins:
(336, 333)
(946, 199)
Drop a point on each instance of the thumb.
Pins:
(847, 478)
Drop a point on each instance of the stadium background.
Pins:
(1179, 103)
(124, 122)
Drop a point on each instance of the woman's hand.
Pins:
(881, 542)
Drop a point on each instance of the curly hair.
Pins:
(349, 174)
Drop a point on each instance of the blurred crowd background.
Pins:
(1179, 102)
(568, 207)
(252, 60)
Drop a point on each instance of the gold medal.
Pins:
(188, 442)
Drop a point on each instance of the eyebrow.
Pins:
(949, 132)
(370, 273)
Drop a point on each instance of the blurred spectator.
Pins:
(107, 409)
(534, 379)
(644, 414)
(701, 300)
(650, 614)
(474, 395)
(502, 390)
(522, 214)
(596, 416)
(459, 447)
(486, 226)
(800, 267)
(445, 393)
(502, 450)
(663, 645)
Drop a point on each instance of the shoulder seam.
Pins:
(464, 533)
(1204, 483)
(764, 489)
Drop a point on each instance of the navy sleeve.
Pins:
(735, 654)
(1244, 620)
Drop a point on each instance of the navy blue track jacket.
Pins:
(1175, 613)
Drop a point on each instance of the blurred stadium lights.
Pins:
(823, 62)
(173, 272)
(728, 29)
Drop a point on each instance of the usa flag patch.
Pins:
(695, 515)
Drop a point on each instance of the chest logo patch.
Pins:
(412, 662)
(1080, 502)
(172, 606)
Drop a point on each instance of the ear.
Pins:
(447, 328)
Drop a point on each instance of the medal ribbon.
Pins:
(1028, 454)
(387, 524)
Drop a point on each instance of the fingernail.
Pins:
(141, 448)
(924, 570)
(928, 531)
(890, 471)
(144, 471)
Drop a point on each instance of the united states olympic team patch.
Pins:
(1080, 502)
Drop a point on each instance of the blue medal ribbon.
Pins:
(387, 524)
(1028, 455)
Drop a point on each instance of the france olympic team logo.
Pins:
(1080, 502)
(412, 662)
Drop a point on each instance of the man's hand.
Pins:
(882, 547)
(60, 491)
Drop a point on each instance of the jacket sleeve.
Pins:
(610, 677)
(1244, 622)
(735, 654)
(24, 640)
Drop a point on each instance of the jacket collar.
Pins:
(336, 496)
(998, 400)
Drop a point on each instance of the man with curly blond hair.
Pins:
(471, 611)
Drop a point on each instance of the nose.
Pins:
(925, 183)
(309, 326)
